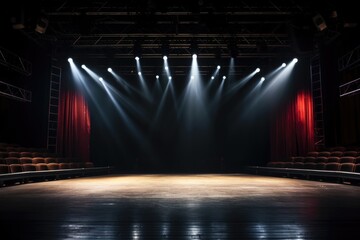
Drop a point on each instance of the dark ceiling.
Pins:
(253, 31)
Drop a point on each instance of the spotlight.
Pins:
(262, 79)
(70, 60)
(157, 76)
(166, 68)
(101, 79)
(212, 77)
(192, 77)
(137, 58)
(139, 73)
(218, 67)
(224, 77)
(295, 60)
(165, 58)
(83, 66)
(283, 65)
(194, 56)
(170, 77)
(109, 70)
(257, 70)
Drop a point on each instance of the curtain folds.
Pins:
(74, 126)
(292, 132)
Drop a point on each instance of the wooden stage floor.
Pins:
(203, 206)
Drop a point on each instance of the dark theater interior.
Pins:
(203, 119)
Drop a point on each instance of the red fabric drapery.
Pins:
(292, 132)
(74, 126)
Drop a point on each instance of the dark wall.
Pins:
(24, 123)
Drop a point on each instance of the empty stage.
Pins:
(206, 206)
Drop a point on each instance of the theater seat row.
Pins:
(26, 167)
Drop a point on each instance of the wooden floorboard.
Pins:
(203, 206)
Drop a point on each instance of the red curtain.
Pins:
(74, 126)
(292, 132)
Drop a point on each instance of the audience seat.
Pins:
(333, 159)
(14, 168)
(347, 159)
(41, 167)
(332, 166)
(26, 154)
(25, 160)
(53, 166)
(337, 154)
(313, 154)
(347, 167)
(37, 160)
(50, 160)
(324, 154)
(350, 153)
(12, 160)
(14, 154)
(28, 167)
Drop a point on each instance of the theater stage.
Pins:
(204, 206)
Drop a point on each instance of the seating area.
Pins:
(20, 163)
(342, 163)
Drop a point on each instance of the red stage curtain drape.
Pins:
(292, 132)
(74, 126)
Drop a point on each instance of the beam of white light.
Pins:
(109, 70)
(232, 90)
(129, 124)
(80, 81)
(83, 66)
(224, 77)
(137, 58)
(276, 83)
(70, 60)
(212, 77)
(218, 67)
(283, 65)
(157, 76)
(144, 86)
(216, 72)
(192, 107)
(194, 56)
(295, 60)
(128, 88)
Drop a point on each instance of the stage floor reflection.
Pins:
(196, 206)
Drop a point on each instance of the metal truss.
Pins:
(14, 92)
(350, 59)
(15, 62)
(350, 88)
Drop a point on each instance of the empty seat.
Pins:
(26, 154)
(357, 168)
(347, 167)
(298, 165)
(53, 166)
(50, 160)
(324, 154)
(14, 168)
(14, 154)
(320, 166)
(64, 165)
(336, 153)
(37, 160)
(37, 154)
(4, 168)
(332, 166)
(28, 167)
(25, 160)
(12, 160)
(321, 159)
(310, 165)
(347, 159)
(41, 167)
(309, 159)
(333, 159)
(350, 153)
